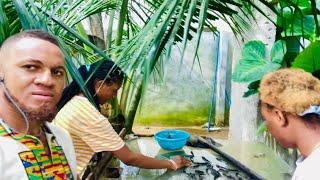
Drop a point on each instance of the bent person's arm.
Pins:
(136, 159)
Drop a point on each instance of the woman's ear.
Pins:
(281, 118)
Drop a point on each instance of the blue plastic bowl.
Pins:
(172, 139)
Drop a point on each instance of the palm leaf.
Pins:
(308, 59)
(4, 23)
(202, 17)
(252, 65)
(27, 20)
(191, 11)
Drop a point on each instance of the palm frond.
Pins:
(4, 23)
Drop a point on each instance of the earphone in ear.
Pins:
(7, 94)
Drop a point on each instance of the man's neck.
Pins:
(14, 119)
(308, 141)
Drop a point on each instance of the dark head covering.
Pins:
(101, 70)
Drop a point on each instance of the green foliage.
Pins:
(303, 6)
(252, 89)
(298, 18)
(26, 18)
(278, 51)
(253, 64)
(309, 59)
(306, 25)
(4, 23)
(193, 117)
(300, 26)
(262, 128)
(166, 22)
(171, 21)
(250, 92)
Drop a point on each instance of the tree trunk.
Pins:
(244, 111)
(96, 28)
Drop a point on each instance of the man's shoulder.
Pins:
(56, 130)
(308, 168)
(314, 158)
(61, 134)
(14, 147)
(4, 141)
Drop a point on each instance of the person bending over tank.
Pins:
(90, 130)
(290, 106)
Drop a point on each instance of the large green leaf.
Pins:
(253, 70)
(254, 50)
(252, 89)
(278, 51)
(253, 65)
(26, 18)
(309, 58)
(190, 14)
(202, 18)
(299, 27)
(303, 6)
(250, 92)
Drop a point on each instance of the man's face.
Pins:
(34, 74)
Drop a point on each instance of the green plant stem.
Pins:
(125, 92)
(109, 31)
(314, 11)
(123, 15)
(133, 109)
(83, 33)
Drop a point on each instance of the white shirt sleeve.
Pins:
(1, 160)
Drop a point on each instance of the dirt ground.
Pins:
(221, 133)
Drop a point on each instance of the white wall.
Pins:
(244, 111)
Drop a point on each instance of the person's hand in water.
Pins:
(179, 162)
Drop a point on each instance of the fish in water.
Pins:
(214, 173)
(206, 168)
(191, 157)
(200, 173)
(205, 159)
(191, 175)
